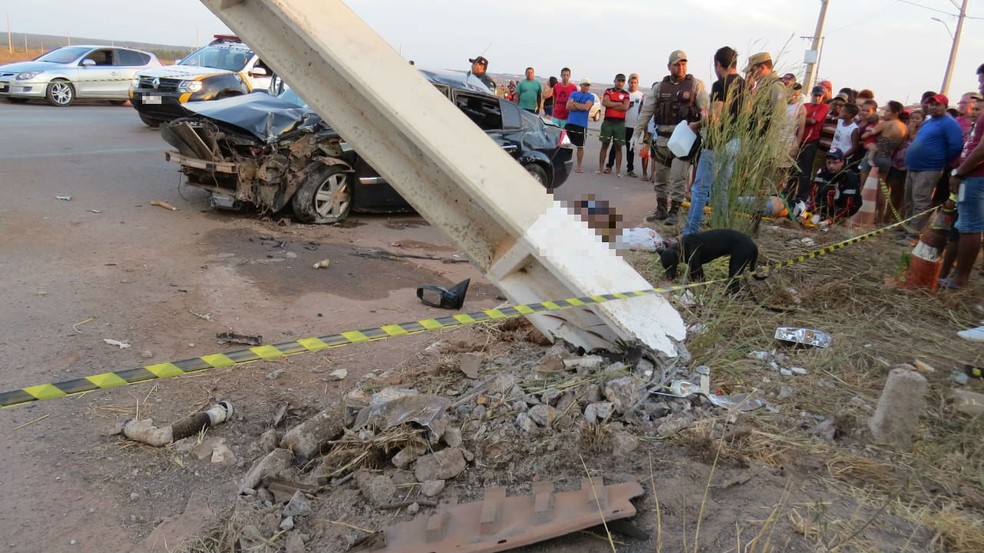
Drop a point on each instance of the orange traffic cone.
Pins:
(869, 197)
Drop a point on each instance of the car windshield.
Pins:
(64, 55)
(292, 97)
(219, 57)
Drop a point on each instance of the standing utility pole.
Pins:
(817, 40)
(953, 49)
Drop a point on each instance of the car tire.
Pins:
(17, 100)
(149, 121)
(538, 174)
(60, 93)
(325, 197)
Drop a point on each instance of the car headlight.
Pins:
(28, 75)
(189, 86)
(135, 81)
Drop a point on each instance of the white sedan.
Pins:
(75, 72)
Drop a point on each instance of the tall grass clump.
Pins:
(752, 147)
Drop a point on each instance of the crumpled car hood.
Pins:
(266, 117)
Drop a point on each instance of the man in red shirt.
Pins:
(816, 112)
(616, 102)
(561, 92)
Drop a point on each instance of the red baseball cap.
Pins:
(938, 99)
(827, 85)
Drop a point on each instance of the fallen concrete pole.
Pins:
(528, 245)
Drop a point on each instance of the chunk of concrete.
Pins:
(543, 415)
(407, 455)
(307, 438)
(897, 415)
(624, 393)
(443, 465)
(378, 489)
(624, 443)
(968, 403)
(272, 464)
(598, 412)
(432, 488)
(298, 506)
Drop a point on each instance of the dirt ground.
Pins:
(797, 475)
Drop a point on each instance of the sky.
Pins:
(893, 47)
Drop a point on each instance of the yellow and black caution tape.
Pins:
(273, 352)
(839, 245)
(308, 345)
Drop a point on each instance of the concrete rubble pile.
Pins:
(398, 449)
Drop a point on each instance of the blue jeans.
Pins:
(704, 181)
(700, 192)
(970, 206)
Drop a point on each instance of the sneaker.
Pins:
(972, 334)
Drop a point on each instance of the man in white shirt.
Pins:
(631, 116)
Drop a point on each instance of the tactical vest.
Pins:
(676, 102)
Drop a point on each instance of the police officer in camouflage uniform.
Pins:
(678, 97)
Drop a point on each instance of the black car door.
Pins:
(490, 114)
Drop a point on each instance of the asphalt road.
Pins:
(106, 264)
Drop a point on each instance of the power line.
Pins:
(944, 12)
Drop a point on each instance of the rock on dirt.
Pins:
(624, 443)
(295, 544)
(624, 393)
(432, 488)
(298, 506)
(543, 415)
(268, 440)
(443, 465)
(452, 437)
(502, 383)
(307, 438)
(378, 489)
(273, 463)
(525, 423)
(598, 412)
(407, 455)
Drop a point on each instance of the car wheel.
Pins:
(149, 121)
(538, 174)
(60, 93)
(325, 197)
(17, 100)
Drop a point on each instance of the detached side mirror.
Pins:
(258, 72)
(88, 62)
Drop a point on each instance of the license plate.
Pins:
(152, 99)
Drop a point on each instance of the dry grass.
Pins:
(939, 485)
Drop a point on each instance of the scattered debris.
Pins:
(323, 264)
(76, 326)
(117, 343)
(95, 211)
(441, 465)
(235, 338)
(470, 363)
(64, 198)
(378, 489)
(375, 253)
(162, 203)
(804, 336)
(144, 431)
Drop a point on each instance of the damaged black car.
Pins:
(274, 152)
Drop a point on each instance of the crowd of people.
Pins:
(922, 156)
